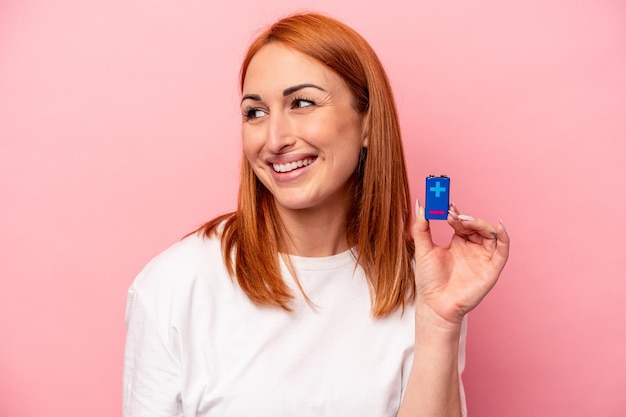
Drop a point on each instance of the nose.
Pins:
(281, 135)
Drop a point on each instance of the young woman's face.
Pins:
(301, 133)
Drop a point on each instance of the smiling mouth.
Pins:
(290, 166)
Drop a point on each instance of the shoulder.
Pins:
(178, 268)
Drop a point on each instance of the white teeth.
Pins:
(290, 166)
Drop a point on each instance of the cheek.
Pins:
(337, 131)
(251, 143)
(346, 136)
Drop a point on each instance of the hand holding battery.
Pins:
(451, 280)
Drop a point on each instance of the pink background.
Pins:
(119, 133)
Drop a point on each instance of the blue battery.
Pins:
(437, 197)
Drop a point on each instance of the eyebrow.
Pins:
(291, 90)
(254, 97)
(286, 91)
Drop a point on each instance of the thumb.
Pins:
(421, 232)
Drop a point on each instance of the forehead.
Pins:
(279, 66)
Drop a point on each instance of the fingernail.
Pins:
(465, 217)
(453, 214)
(502, 224)
(417, 208)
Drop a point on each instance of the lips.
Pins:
(290, 166)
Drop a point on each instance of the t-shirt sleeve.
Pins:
(152, 377)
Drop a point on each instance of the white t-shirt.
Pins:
(197, 346)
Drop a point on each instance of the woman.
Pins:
(316, 297)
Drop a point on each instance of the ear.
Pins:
(365, 139)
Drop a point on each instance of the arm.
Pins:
(433, 385)
(450, 282)
(151, 383)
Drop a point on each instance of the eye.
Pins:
(301, 102)
(250, 113)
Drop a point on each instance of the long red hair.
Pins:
(380, 213)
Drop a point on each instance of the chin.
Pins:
(293, 205)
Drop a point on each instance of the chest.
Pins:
(326, 358)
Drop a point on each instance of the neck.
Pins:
(315, 232)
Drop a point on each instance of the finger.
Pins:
(421, 232)
(469, 227)
(501, 255)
